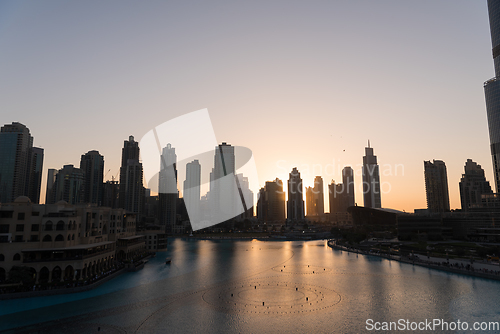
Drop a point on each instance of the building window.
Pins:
(35, 214)
(47, 238)
(19, 227)
(60, 226)
(18, 238)
(17, 257)
(20, 216)
(34, 238)
(35, 228)
(6, 214)
(4, 228)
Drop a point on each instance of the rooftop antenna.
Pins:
(368, 143)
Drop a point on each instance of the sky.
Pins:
(300, 83)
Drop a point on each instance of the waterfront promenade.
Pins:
(457, 266)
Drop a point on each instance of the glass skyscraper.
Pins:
(492, 90)
(20, 164)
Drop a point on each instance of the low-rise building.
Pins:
(61, 242)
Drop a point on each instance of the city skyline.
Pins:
(310, 90)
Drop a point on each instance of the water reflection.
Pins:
(221, 285)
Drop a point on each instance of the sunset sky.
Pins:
(300, 83)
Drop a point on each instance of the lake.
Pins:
(231, 286)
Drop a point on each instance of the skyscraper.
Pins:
(341, 195)
(348, 183)
(17, 172)
(472, 185)
(315, 198)
(310, 205)
(492, 91)
(371, 179)
(168, 192)
(245, 194)
(337, 198)
(295, 203)
(131, 189)
(51, 180)
(92, 166)
(68, 185)
(191, 191)
(35, 179)
(225, 200)
(436, 186)
(271, 202)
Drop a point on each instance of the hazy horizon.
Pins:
(299, 84)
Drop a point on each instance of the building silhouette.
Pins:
(131, 190)
(20, 164)
(271, 202)
(371, 180)
(492, 91)
(225, 202)
(191, 191)
(35, 179)
(310, 205)
(348, 182)
(341, 195)
(51, 180)
(168, 192)
(110, 191)
(295, 203)
(68, 185)
(92, 166)
(315, 198)
(472, 186)
(436, 186)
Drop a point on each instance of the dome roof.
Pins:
(22, 199)
(62, 202)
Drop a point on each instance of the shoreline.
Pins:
(421, 263)
(65, 290)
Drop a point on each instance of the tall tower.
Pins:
(245, 194)
(50, 190)
(295, 204)
(16, 146)
(168, 193)
(371, 179)
(35, 179)
(68, 185)
(348, 182)
(315, 198)
(492, 91)
(271, 204)
(225, 201)
(191, 191)
(92, 166)
(131, 189)
(436, 186)
(472, 185)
